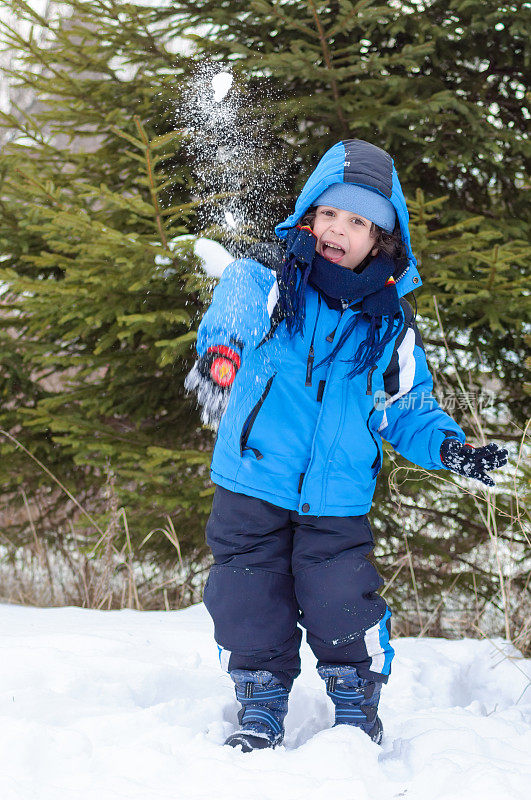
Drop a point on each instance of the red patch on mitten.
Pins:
(223, 372)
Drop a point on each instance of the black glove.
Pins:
(473, 462)
(211, 378)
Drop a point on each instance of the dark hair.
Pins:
(390, 244)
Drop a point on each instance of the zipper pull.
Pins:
(330, 337)
(309, 366)
(369, 379)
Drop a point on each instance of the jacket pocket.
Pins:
(249, 422)
(377, 463)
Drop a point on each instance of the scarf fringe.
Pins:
(370, 350)
(292, 283)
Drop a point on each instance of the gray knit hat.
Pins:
(369, 204)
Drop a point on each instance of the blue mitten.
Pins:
(472, 462)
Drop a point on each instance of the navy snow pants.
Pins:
(275, 568)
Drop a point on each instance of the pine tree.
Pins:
(102, 291)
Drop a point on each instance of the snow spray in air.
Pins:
(239, 176)
(231, 154)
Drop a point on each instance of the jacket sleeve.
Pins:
(413, 422)
(239, 314)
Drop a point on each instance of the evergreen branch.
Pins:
(36, 53)
(127, 137)
(290, 22)
(328, 61)
(71, 57)
(26, 130)
(492, 275)
(360, 6)
(153, 188)
(31, 13)
(30, 80)
(31, 180)
(459, 226)
(176, 211)
(153, 43)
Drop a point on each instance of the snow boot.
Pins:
(355, 699)
(264, 701)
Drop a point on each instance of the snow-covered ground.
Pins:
(108, 705)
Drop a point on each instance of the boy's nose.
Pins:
(337, 228)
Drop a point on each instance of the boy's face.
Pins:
(342, 236)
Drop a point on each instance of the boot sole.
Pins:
(248, 742)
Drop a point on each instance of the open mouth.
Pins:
(332, 252)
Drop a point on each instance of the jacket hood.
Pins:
(364, 164)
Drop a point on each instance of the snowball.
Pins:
(221, 84)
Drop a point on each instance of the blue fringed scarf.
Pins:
(374, 288)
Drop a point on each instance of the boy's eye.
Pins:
(331, 213)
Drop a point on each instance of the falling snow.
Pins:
(230, 154)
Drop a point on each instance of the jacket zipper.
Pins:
(311, 353)
(375, 466)
(328, 379)
(249, 422)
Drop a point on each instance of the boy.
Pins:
(302, 366)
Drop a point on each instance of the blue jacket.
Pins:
(304, 437)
